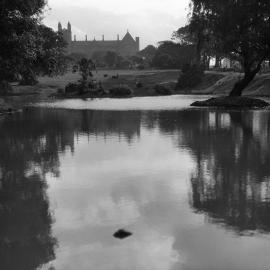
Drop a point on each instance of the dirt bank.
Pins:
(260, 86)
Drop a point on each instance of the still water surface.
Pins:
(193, 186)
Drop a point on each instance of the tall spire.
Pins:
(60, 27)
(69, 26)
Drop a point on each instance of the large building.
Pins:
(124, 47)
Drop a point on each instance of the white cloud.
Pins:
(172, 7)
(152, 20)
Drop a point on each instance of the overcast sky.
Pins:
(151, 20)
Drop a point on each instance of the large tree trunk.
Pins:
(218, 61)
(242, 84)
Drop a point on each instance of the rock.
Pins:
(122, 234)
(232, 102)
(121, 91)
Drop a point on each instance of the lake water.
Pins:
(192, 185)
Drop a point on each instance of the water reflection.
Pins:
(232, 179)
(26, 241)
(94, 172)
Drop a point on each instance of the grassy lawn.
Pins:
(148, 79)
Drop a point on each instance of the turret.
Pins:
(138, 43)
(69, 26)
(60, 29)
(69, 33)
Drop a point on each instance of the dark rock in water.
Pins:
(122, 234)
(232, 102)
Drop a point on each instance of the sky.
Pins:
(151, 20)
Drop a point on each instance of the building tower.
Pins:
(138, 44)
(60, 29)
(69, 33)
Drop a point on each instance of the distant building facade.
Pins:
(124, 47)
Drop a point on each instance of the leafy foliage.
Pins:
(191, 76)
(110, 58)
(121, 91)
(28, 48)
(163, 90)
(241, 29)
(172, 55)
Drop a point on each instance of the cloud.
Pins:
(152, 20)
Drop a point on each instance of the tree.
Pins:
(242, 31)
(172, 55)
(85, 68)
(26, 46)
(110, 58)
(197, 33)
(148, 52)
(163, 60)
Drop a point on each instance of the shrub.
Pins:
(28, 78)
(141, 67)
(191, 76)
(121, 91)
(139, 84)
(162, 90)
(73, 88)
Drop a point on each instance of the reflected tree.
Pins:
(30, 144)
(231, 182)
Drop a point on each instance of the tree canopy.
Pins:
(172, 55)
(240, 28)
(27, 47)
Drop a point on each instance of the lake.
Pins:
(191, 185)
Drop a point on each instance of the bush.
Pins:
(73, 88)
(141, 67)
(28, 78)
(191, 76)
(163, 61)
(121, 91)
(162, 90)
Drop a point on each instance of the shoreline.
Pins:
(215, 84)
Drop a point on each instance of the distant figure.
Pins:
(105, 75)
(115, 76)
